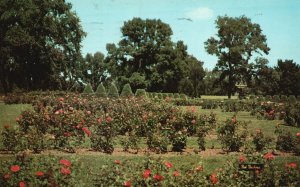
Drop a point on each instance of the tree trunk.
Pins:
(230, 87)
(3, 80)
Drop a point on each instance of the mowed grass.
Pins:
(9, 113)
(92, 162)
(217, 97)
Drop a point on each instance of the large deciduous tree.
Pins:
(147, 58)
(94, 70)
(238, 39)
(289, 81)
(39, 44)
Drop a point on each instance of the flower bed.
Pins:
(67, 122)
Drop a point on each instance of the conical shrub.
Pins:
(140, 93)
(88, 89)
(101, 91)
(126, 91)
(113, 91)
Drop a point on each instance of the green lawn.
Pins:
(220, 97)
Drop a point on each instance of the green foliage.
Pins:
(232, 135)
(156, 63)
(48, 46)
(93, 69)
(292, 114)
(103, 136)
(101, 91)
(140, 93)
(234, 46)
(126, 91)
(88, 89)
(289, 79)
(260, 141)
(113, 91)
(286, 141)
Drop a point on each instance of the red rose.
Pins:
(258, 131)
(22, 184)
(234, 120)
(117, 161)
(67, 134)
(199, 168)
(15, 168)
(292, 165)
(158, 177)
(127, 183)
(65, 171)
(86, 131)
(242, 159)
(269, 156)
(39, 173)
(6, 176)
(108, 119)
(176, 174)
(61, 99)
(168, 164)
(6, 126)
(146, 173)
(65, 162)
(213, 178)
(298, 134)
(19, 118)
(99, 120)
(193, 109)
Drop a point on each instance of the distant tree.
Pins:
(193, 85)
(39, 44)
(265, 78)
(212, 84)
(147, 58)
(141, 42)
(93, 69)
(289, 81)
(238, 39)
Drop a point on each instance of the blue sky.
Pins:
(279, 20)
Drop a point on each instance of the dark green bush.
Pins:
(286, 141)
(292, 99)
(292, 114)
(260, 141)
(232, 138)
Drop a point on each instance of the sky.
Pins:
(193, 21)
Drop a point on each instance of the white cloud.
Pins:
(200, 13)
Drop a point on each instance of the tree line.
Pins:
(40, 49)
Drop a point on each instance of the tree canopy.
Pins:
(238, 39)
(39, 44)
(147, 58)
